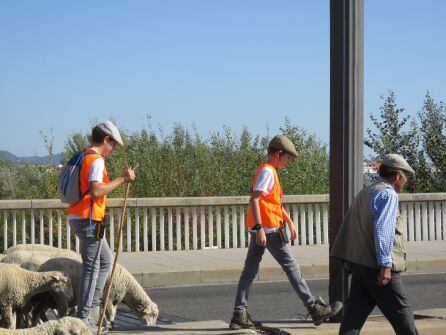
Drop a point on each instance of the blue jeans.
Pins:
(283, 255)
(97, 260)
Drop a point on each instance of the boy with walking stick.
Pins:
(86, 218)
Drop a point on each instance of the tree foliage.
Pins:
(183, 163)
(420, 140)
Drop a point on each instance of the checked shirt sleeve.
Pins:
(384, 208)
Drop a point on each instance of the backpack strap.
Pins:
(86, 153)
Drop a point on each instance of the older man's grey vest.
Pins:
(355, 241)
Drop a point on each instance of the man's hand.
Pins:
(384, 276)
(293, 231)
(129, 175)
(261, 238)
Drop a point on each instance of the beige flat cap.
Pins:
(283, 143)
(397, 162)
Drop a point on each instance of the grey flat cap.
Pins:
(110, 129)
(397, 162)
(283, 143)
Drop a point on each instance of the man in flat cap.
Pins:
(370, 243)
(86, 219)
(266, 224)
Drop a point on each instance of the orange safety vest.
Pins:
(270, 205)
(82, 208)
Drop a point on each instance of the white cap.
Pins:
(110, 130)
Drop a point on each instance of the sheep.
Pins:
(41, 248)
(124, 289)
(65, 326)
(27, 260)
(18, 286)
(32, 261)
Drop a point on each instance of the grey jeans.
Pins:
(97, 259)
(365, 294)
(283, 255)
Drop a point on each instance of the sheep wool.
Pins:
(124, 289)
(41, 247)
(65, 326)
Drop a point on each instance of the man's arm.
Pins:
(291, 226)
(99, 189)
(384, 207)
(255, 208)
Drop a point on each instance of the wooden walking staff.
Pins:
(121, 224)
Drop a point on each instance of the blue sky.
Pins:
(64, 65)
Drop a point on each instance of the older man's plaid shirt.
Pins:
(384, 208)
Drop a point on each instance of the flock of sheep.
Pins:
(37, 279)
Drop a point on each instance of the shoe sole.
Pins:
(335, 312)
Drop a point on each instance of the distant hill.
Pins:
(30, 159)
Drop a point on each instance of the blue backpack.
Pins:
(68, 184)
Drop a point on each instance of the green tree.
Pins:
(433, 126)
(401, 135)
(390, 136)
(309, 173)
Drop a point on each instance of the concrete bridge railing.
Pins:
(154, 224)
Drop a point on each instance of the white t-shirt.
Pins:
(97, 170)
(265, 181)
(96, 174)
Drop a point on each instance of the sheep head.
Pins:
(144, 308)
(149, 315)
(61, 286)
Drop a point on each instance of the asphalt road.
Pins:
(276, 300)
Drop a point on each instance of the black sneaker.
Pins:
(242, 320)
(322, 311)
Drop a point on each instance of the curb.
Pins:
(270, 273)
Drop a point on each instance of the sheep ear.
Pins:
(56, 277)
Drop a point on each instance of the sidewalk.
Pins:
(177, 268)
(195, 267)
(433, 323)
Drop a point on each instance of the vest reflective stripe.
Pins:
(355, 241)
(82, 208)
(270, 205)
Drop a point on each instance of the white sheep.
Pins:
(18, 286)
(124, 289)
(41, 247)
(32, 260)
(65, 326)
(27, 260)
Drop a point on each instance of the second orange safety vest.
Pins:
(270, 205)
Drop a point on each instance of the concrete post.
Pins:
(346, 120)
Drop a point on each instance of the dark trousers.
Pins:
(365, 294)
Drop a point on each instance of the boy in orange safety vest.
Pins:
(86, 218)
(266, 217)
